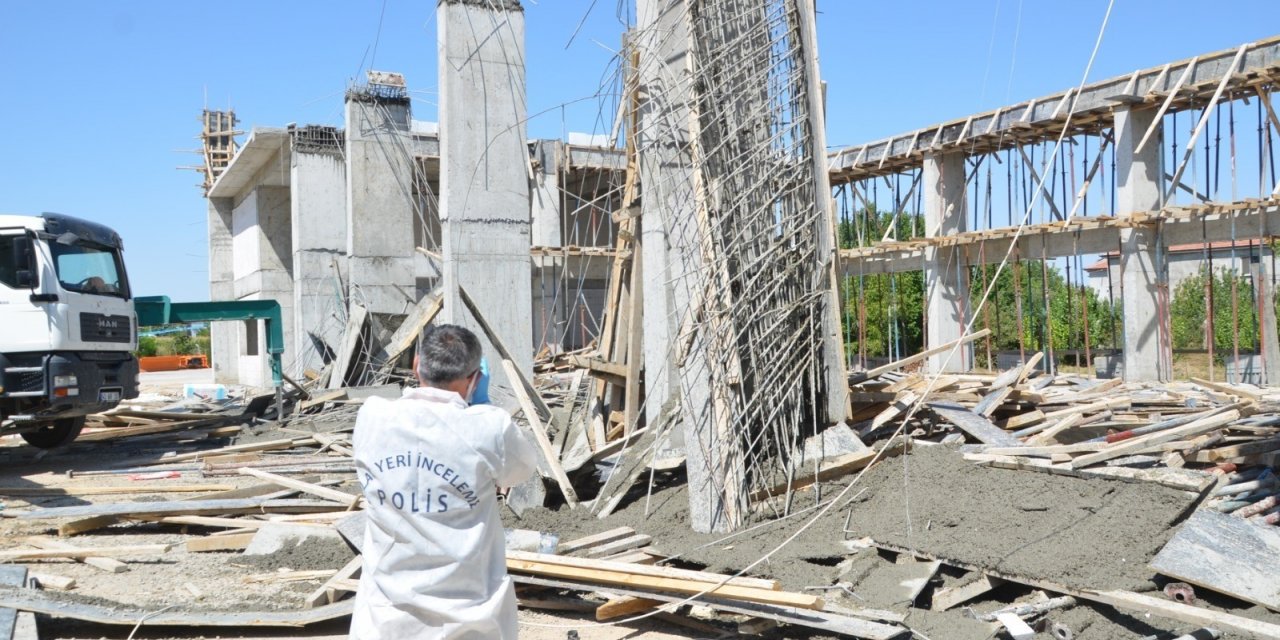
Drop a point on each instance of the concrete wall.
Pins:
(319, 215)
(223, 336)
(262, 238)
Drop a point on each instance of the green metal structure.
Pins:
(158, 310)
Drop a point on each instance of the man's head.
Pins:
(448, 358)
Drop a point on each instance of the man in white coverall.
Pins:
(431, 465)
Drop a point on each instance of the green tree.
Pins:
(184, 344)
(1188, 313)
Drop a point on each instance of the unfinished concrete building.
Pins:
(318, 217)
(1133, 166)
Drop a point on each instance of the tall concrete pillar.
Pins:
(666, 187)
(1143, 271)
(946, 276)
(224, 355)
(484, 173)
(379, 199)
(318, 177)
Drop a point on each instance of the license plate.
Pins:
(108, 396)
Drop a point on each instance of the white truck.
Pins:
(67, 326)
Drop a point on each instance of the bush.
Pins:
(184, 345)
(147, 346)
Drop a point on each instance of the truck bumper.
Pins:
(67, 384)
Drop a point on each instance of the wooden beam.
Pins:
(233, 542)
(18, 555)
(326, 593)
(540, 435)
(627, 578)
(944, 599)
(341, 497)
(1125, 447)
(942, 348)
(764, 584)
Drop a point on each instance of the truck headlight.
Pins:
(65, 381)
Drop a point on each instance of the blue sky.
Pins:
(100, 98)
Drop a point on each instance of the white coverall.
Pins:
(434, 550)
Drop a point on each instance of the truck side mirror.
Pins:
(24, 262)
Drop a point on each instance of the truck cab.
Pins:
(69, 327)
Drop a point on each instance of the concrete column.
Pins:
(1266, 322)
(484, 174)
(662, 145)
(319, 214)
(1143, 271)
(224, 356)
(379, 201)
(945, 274)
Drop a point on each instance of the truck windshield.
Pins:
(89, 269)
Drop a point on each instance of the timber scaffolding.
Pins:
(952, 199)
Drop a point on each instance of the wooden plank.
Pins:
(520, 379)
(1221, 454)
(598, 365)
(943, 348)
(351, 501)
(619, 546)
(763, 584)
(352, 336)
(973, 424)
(414, 323)
(944, 599)
(1229, 389)
(110, 565)
(326, 593)
(231, 523)
(17, 555)
(625, 606)
(540, 435)
(992, 401)
(49, 491)
(1226, 554)
(53, 581)
(899, 407)
(1023, 420)
(1126, 447)
(178, 508)
(64, 606)
(672, 585)
(233, 542)
(586, 542)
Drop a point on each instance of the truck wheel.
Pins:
(55, 434)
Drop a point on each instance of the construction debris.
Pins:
(1063, 485)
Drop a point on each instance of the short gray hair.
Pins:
(447, 352)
